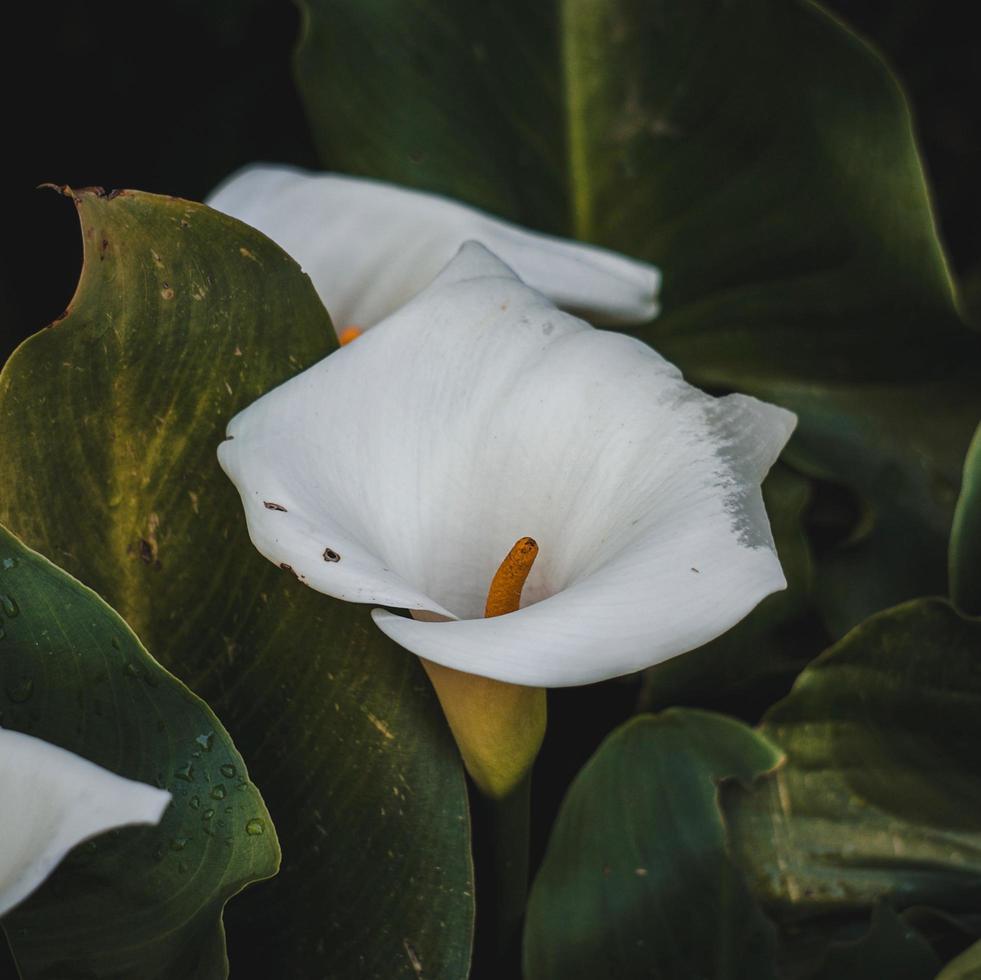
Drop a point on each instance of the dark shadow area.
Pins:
(170, 104)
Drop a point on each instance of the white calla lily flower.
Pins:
(399, 471)
(369, 247)
(51, 800)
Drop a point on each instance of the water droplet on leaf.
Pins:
(255, 827)
(186, 772)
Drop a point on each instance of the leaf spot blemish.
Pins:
(380, 725)
(695, 570)
(414, 960)
(167, 292)
(246, 254)
(331, 555)
(269, 505)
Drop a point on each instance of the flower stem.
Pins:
(501, 857)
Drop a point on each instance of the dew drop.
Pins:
(205, 740)
(21, 690)
(179, 843)
(9, 563)
(208, 814)
(218, 793)
(9, 606)
(115, 642)
(131, 670)
(255, 827)
(228, 770)
(194, 803)
(186, 772)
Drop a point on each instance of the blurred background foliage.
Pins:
(98, 98)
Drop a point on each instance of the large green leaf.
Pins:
(965, 536)
(756, 150)
(112, 418)
(880, 798)
(636, 881)
(141, 902)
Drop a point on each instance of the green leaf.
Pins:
(636, 880)
(890, 948)
(880, 798)
(141, 902)
(967, 966)
(757, 151)
(113, 415)
(754, 663)
(965, 537)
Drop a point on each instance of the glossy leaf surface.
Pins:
(137, 901)
(636, 881)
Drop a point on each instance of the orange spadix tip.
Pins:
(348, 334)
(504, 595)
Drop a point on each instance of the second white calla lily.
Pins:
(369, 247)
(401, 469)
(51, 800)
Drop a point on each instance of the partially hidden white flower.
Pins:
(51, 800)
(399, 471)
(369, 247)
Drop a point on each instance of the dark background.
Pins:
(174, 100)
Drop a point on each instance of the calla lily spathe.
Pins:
(51, 800)
(369, 247)
(399, 471)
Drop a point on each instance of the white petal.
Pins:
(369, 247)
(478, 414)
(51, 800)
